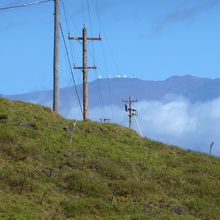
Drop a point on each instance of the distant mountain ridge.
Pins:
(114, 89)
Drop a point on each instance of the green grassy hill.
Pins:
(51, 169)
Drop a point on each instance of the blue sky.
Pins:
(152, 39)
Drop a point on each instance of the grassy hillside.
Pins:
(50, 169)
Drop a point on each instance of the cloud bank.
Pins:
(178, 122)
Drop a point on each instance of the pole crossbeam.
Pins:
(85, 68)
(88, 38)
(88, 67)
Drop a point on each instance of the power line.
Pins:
(90, 22)
(70, 45)
(65, 15)
(70, 66)
(94, 60)
(106, 38)
(25, 4)
(83, 14)
(104, 56)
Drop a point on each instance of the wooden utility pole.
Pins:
(210, 148)
(128, 108)
(85, 69)
(56, 62)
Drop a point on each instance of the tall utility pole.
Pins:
(56, 61)
(85, 69)
(128, 108)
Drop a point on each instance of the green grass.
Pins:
(50, 169)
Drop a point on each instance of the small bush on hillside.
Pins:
(3, 117)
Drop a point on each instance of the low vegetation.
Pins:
(51, 168)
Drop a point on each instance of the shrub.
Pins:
(3, 117)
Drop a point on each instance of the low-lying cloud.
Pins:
(178, 122)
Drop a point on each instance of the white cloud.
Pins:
(190, 125)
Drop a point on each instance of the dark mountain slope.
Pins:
(113, 90)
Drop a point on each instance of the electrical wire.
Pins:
(90, 22)
(70, 45)
(106, 38)
(94, 60)
(83, 14)
(66, 20)
(25, 4)
(66, 15)
(104, 57)
(70, 66)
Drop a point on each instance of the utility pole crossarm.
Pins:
(88, 67)
(75, 38)
(87, 38)
(94, 38)
(128, 101)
